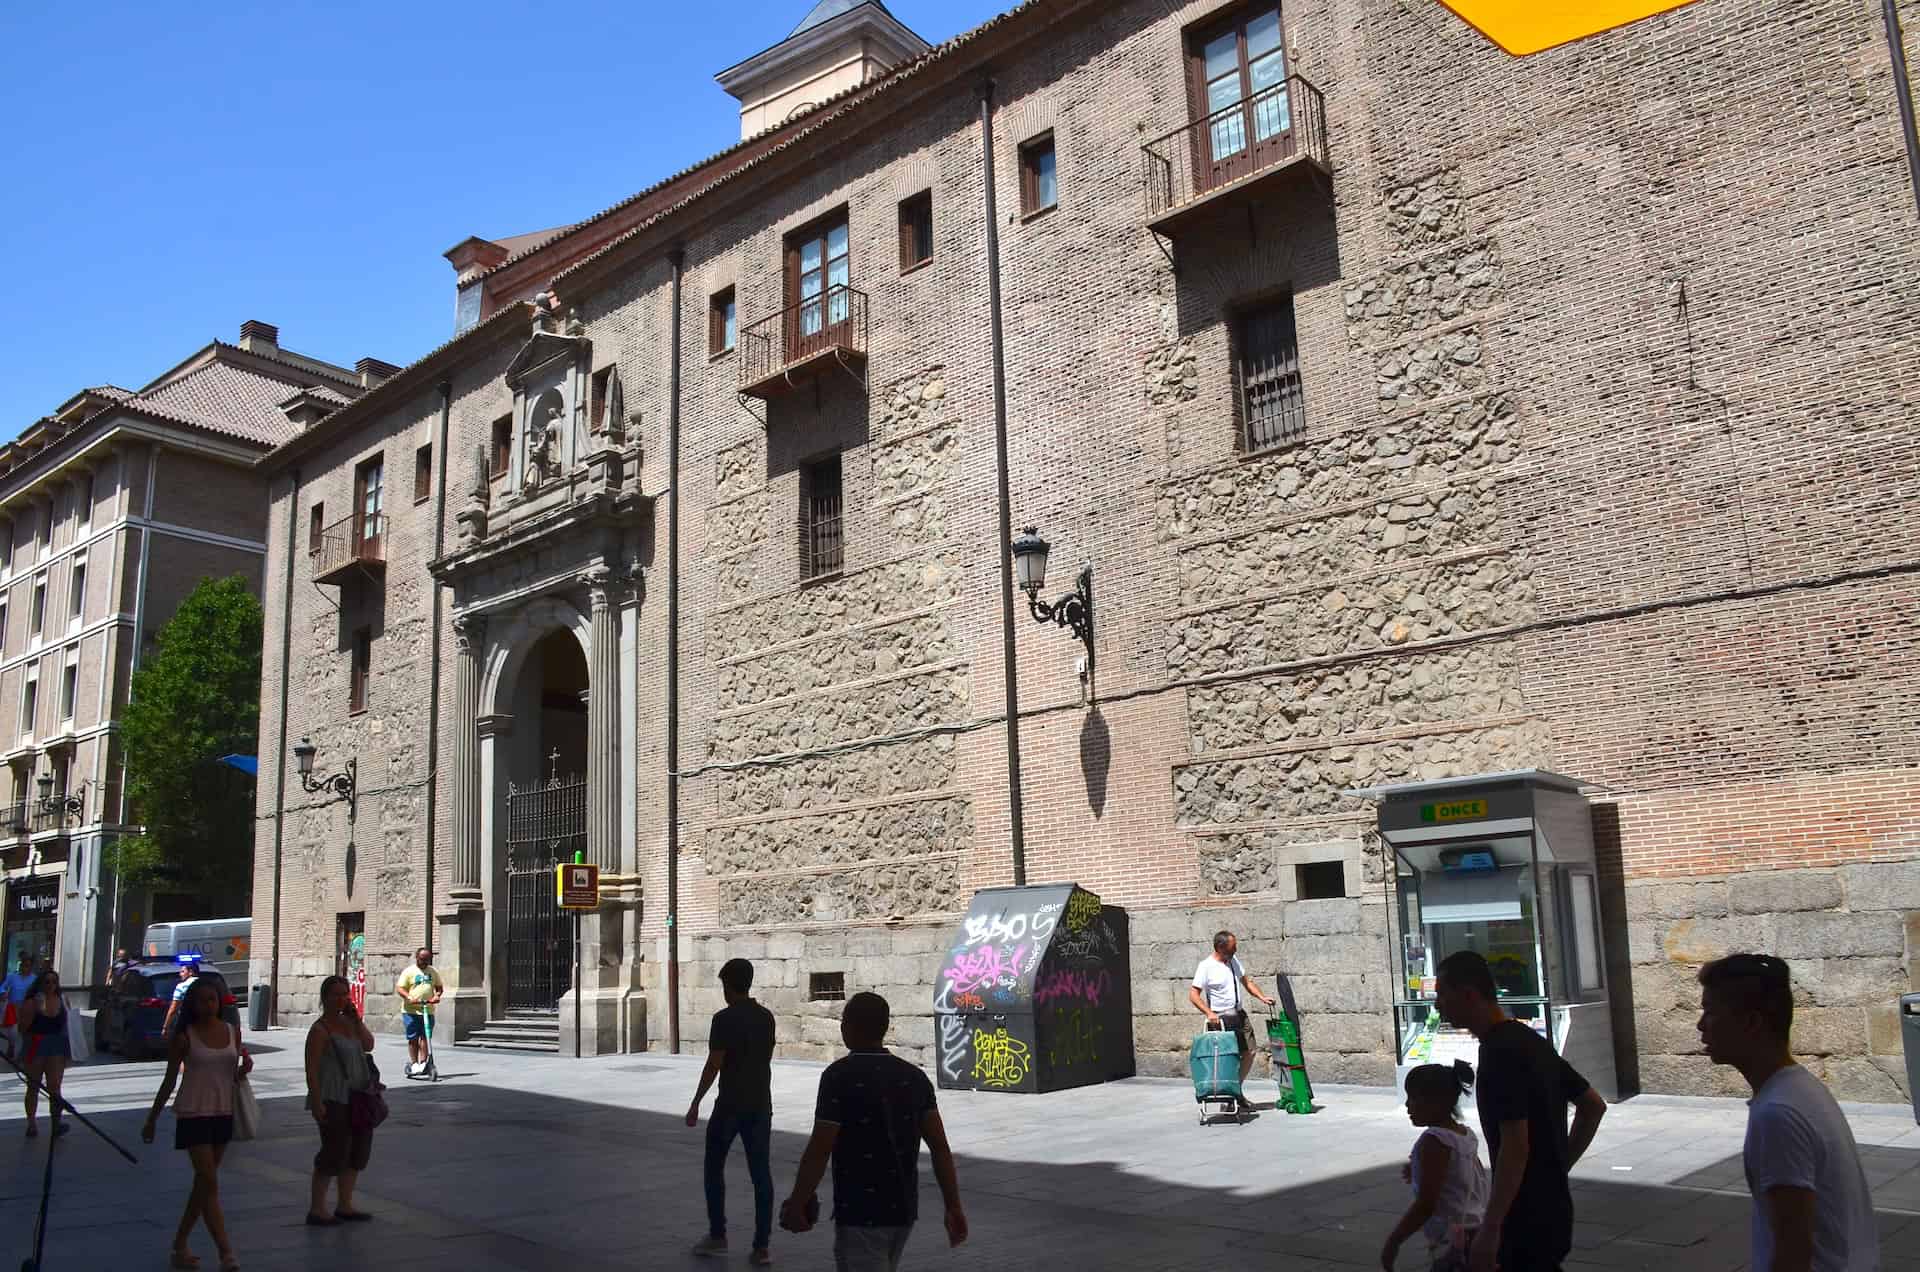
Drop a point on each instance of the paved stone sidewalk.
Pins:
(519, 1163)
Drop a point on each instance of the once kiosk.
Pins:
(1501, 863)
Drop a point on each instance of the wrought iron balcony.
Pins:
(782, 351)
(13, 818)
(1255, 148)
(350, 545)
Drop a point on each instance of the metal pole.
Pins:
(1016, 818)
(576, 984)
(678, 260)
(1903, 94)
(280, 753)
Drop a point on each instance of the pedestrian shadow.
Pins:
(486, 1178)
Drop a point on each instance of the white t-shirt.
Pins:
(1220, 982)
(1798, 1138)
(1463, 1194)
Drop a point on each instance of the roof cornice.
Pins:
(409, 380)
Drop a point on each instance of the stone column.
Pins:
(603, 728)
(463, 951)
(470, 635)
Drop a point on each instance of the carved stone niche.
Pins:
(549, 382)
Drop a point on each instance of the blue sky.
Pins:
(175, 169)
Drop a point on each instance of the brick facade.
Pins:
(1606, 416)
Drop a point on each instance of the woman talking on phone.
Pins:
(338, 1068)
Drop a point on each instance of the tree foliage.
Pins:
(195, 698)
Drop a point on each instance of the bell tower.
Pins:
(838, 46)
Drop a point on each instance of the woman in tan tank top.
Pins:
(209, 1050)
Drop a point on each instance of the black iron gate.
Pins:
(545, 826)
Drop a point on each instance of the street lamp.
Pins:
(70, 805)
(341, 784)
(1073, 611)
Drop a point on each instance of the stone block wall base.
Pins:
(461, 1012)
(601, 1030)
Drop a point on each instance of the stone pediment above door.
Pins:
(569, 446)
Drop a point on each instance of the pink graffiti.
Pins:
(988, 965)
(1085, 987)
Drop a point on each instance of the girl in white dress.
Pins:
(1449, 1183)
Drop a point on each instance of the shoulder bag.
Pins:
(365, 1109)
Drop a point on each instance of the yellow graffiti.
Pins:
(1082, 908)
(999, 1061)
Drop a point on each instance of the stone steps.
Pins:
(535, 1033)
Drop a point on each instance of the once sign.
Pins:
(1458, 810)
(577, 886)
(1527, 26)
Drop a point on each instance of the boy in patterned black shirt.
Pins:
(872, 1112)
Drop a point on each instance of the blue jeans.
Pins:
(756, 1133)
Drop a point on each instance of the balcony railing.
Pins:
(54, 818)
(347, 546)
(779, 352)
(14, 818)
(1281, 129)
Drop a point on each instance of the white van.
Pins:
(223, 944)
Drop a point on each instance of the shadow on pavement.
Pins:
(483, 1178)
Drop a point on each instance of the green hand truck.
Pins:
(1289, 1063)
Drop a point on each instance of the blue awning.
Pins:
(248, 764)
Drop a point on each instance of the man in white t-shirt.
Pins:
(1812, 1210)
(1216, 992)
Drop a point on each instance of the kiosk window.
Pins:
(1586, 932)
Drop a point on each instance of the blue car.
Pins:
(130, 1020)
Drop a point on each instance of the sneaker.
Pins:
(760, 1258)
(710, 1245)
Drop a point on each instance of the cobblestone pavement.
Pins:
(539, 1163)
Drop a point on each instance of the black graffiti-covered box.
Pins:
(1035, 993)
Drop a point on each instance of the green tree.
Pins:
(195, 698)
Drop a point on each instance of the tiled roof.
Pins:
(520, 244)
(826, 109)
(826, 112)
(228, 399)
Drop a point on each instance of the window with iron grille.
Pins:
(826, 987)
(1272, 411)
(362, 669)
(822, 542)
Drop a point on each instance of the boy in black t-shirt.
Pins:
(740, 1054)
(1523, 1090)
(873, 1110)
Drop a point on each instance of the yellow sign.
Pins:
(577, 887)
(1528, 26)
(1458, 810)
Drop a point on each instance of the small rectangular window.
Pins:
(46, 529)
(316, 527)
(37, 621)
(1039, 176)
(29, 704)
(362, 670)
(1320, 880)
(87, 493)
(502, 445)
(1267, 366)
(916, 231)
(602, 393)
(3, 625)
(721, 323)
(69, 688)
(826, 987)
(822, 542)
(77, 590)
(423, 473)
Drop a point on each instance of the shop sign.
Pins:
(1458, 810)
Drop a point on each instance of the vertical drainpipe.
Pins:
(678, 259)
(1903, 94)
(1016, 817)
(280, 752)
(433, 693)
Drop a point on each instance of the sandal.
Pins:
(183, 1259)
(229, 1263)
(321, 1221)
(352, 1216)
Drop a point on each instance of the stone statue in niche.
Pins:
(543, 440)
